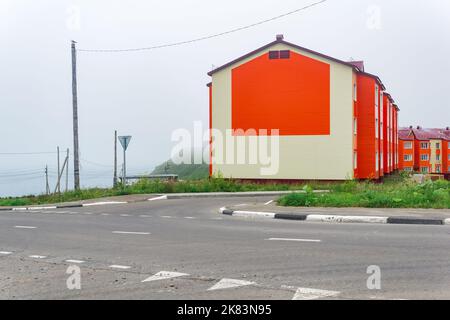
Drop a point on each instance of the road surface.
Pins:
(183, 249)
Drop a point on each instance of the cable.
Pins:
(25, 153)
(209, 36)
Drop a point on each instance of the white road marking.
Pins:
(163, 275)
(130, 232)
(105, 214)
(312, 294)
(103, 203)
(268, 202)
(41, 208)
(297, 240)
(75, 261)
(145, 216)
(5, 253)
(124, 215)
(241, 205)
(37, 257)
(25, 227)
(167, 217)
(230, 283)
(189, 217)
(87, 213)
(217, 219)
(116, 266)
(158, 198)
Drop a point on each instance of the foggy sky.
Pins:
(149, 94)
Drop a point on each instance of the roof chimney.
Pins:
(410, 127)
(280, 37)
(419, 128)
(448, 128)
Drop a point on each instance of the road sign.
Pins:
(124, 141)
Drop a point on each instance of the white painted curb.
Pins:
(250, 214)
(447, 221)
(158, 198)
(345, 219)
(103, 203)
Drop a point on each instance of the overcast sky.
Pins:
(148, 94)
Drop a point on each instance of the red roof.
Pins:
(280, 40)
(405, 134)
(424, 133)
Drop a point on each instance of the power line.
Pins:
(24, 153)
(209, 36)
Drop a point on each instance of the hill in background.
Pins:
(184, 171)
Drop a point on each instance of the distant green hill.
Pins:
(184, 171)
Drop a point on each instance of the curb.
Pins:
(336, 218)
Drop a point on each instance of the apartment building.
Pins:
(424, 150)
(333, 118)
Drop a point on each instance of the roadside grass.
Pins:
(145, 186)
(395, 193)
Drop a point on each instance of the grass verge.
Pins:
(392, 194)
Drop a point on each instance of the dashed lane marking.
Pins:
(125, 215)
(131, 232)
(145, 216)
(25, 227)
(294, 240)
(163, 275)
(313, 294)
(34, 256)
(5, 253)
(189, 217)
(230, 283)
(104, 214)
(116, 266)
(268, 202)
(75, 261)
(167, 217)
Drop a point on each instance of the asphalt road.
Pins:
(213, 256)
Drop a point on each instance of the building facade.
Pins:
(424, 150)
(332, 119)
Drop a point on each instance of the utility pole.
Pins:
(57, 156)
(115, 159)
(76, 161)
(47, 187)
(67, 171)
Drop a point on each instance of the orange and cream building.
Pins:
(424, 150)
(334, 121)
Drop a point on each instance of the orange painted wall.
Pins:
(402, 152)
(386, 103)
(292, 95)
(367, 142)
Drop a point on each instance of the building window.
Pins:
(424, 157)
(407, 145)
(381, 161)
(376, 96)
(355, 92)
(424, 169)
(376, 161)
(438, 157)
(407, 157)
(438, 145)
(285, 54)
(355, 126)
(381, 130)
(438, 168)
(355, 160)
(376, 128)
(408, 169)
(274, 54)
(424, 145)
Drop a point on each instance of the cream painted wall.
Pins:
(301, 157)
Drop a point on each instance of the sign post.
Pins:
(124, 141)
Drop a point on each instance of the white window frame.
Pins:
(424, 169)
(407, 145)
(407, 157)
(424, 145)
(424, 157)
